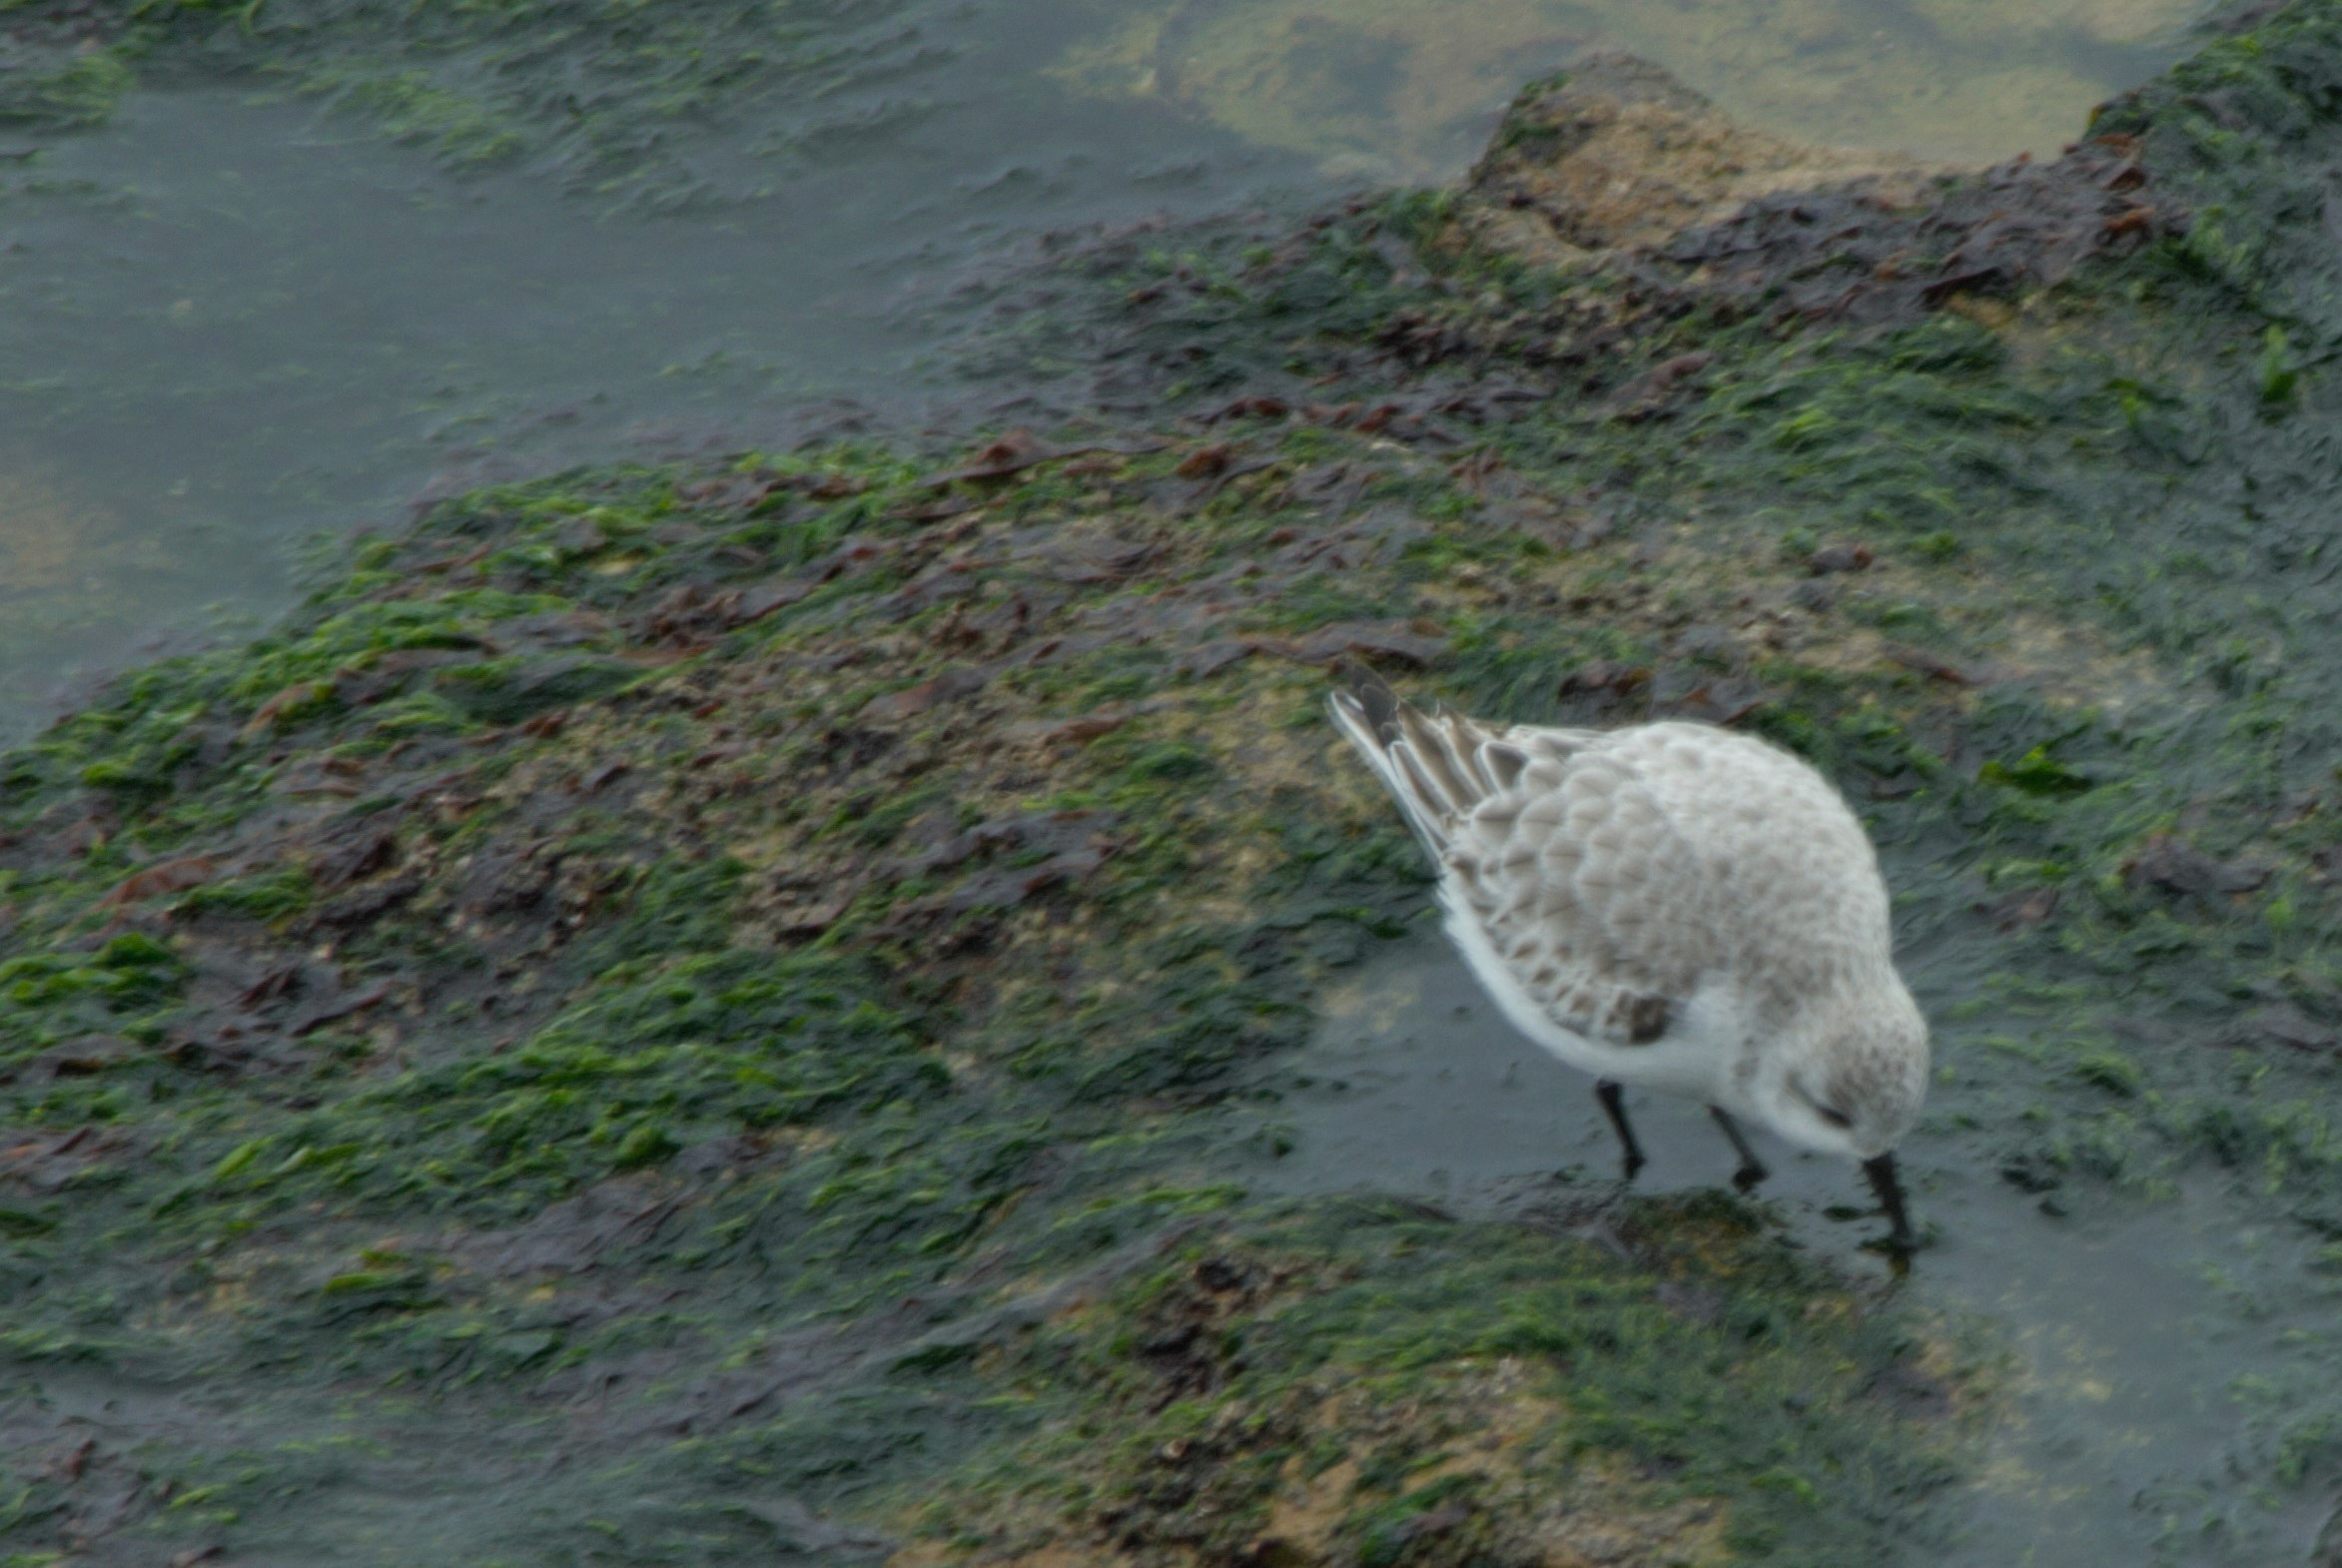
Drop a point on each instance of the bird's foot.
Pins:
(1900, 1241)
(1613, 1104)
(1896, 1250)
(1752, 1170)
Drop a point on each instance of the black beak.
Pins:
(1888, 1187)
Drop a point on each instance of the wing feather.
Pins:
(1560, 857)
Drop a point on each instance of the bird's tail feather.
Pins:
(1434, 764)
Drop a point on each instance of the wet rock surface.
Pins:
(1615, 153)
(1616, 166)
(716, 1012)
(774, 949)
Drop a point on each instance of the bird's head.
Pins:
(1853, 1074)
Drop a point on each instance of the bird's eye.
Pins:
(1829, 1114)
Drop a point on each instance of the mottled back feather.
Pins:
(1559, 855)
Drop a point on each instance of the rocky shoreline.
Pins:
(694, 1014)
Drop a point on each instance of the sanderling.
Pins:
(1672, 906)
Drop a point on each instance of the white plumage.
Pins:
(1672, 906)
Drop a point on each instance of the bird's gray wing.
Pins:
(1586, 892)
(1556, 854)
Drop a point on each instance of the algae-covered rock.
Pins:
(1617, 162)
(1615, 151)
(720, 1012)
(42, 86)
(749, 949)
(1372, 1383)
(613, 99)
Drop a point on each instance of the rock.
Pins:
(1838, 557)
(2176, 867)
(2327, 1553)
(1655, 393)
(1935, 667)
(172, 876)
(83, 1058)
(581, 536)
(2021, 910)
(2282, 1024)
(934, 692)
(1616, 151)
(1714, 646)
(1615, 161)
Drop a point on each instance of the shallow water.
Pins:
(2143, 1333)
(1399, 91)
(229, 325)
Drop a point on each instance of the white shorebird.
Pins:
(1672, 906)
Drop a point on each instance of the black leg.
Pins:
(1605, 1091)
(1752, 1170)
(1888, 1187)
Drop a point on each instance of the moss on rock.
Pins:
(804, 887)
(728, 982)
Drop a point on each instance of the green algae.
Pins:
(75, 91)
(2081, 696)
(617, 98)
(326, 1011)
(791, 925)
(1365, 1381)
